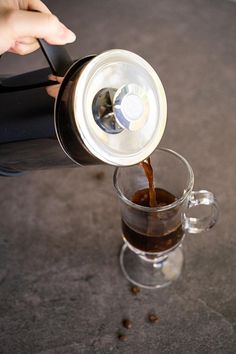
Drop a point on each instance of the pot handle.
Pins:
(57, 57)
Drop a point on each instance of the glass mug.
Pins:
(151, 256)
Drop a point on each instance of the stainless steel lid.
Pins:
(120, 107)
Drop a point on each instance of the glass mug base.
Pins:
(151, 274)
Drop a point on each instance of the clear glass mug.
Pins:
(151, 256)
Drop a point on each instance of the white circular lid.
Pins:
(139, 106)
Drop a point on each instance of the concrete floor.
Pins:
(61, 288)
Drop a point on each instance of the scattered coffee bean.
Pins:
(153, 318)
(122, 337)
(100, 175)
(135, 290)
(127, 323)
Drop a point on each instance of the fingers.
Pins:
(39, 25)
(55, 78)
(24, 45)
(38, 6)
(17, 25)
(53, 90)
(23, 49)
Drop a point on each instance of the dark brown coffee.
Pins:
(149, 241)
(148, 170)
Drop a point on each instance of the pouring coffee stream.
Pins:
(152, 197)
(146, 164)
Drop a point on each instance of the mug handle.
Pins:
(195, 225)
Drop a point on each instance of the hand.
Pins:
(53, 90)
(20, 26)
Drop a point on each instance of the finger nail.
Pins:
(67, 34)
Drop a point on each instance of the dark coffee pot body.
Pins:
(29, 139)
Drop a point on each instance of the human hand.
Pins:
(54, 89)
(21, 25)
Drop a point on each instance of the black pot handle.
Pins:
(57, 57)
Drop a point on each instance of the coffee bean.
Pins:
(135, 290)
(122, 337)
(100, 175)
(127, 323)
(153, 318)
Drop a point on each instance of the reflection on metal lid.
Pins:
(120, 107)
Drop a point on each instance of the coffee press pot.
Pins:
(111, 108)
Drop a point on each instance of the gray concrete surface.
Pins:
(61, 288)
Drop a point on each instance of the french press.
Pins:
(111, 108)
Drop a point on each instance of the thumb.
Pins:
(39, 25)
